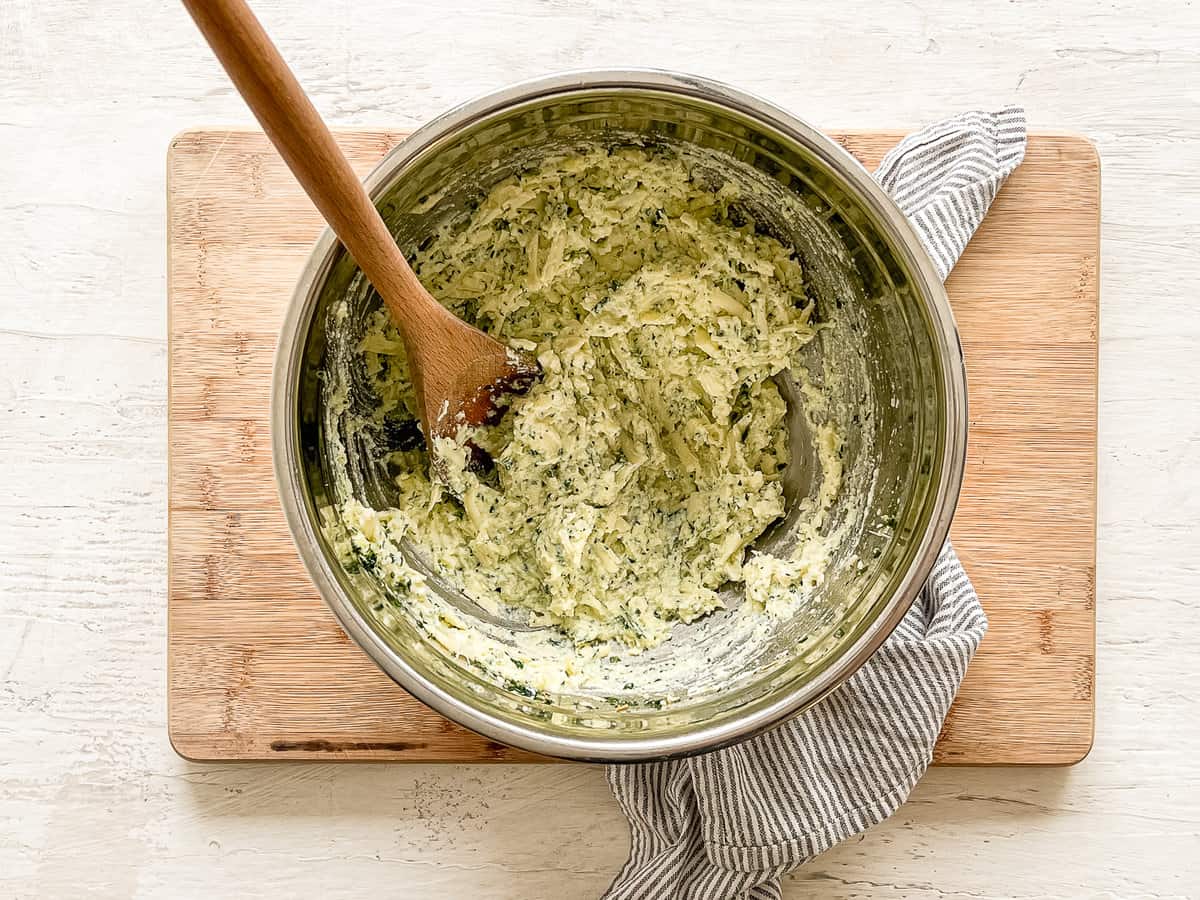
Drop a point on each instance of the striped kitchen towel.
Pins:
(729, 824)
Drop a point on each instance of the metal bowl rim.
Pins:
(601, 748)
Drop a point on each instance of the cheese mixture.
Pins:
(630, 484)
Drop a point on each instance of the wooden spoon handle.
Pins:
(298, 133)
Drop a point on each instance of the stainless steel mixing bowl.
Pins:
(889, 355)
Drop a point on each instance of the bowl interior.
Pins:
(877, 357)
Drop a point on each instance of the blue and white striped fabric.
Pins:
(945, 177)
(729, 824)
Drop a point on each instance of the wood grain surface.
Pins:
(258, 668)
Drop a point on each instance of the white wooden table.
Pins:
(92, 799)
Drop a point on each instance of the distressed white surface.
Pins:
(92, 799)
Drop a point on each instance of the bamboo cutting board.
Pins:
(259, 669)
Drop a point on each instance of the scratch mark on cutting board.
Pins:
(319, 746)
(216, 153)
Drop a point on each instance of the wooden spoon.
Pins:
(458, 372)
